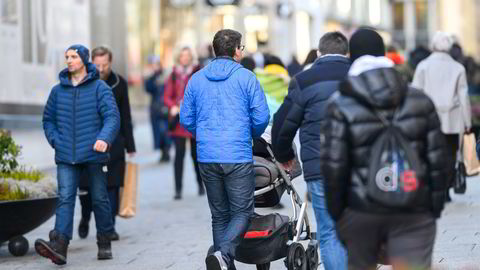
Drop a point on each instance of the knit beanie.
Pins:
(82, 51)
(366, 42)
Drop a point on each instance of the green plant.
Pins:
(23, 174)
(9, 152)
(8, 193)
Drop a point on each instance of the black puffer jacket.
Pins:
(351, 129)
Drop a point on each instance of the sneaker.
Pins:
(215, 261)
(83, 229)
(178, 196)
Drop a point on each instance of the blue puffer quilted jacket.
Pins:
(224, 107)
(75, 117)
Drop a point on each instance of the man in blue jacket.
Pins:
(304, 108)
(224, 107)
(81, 121)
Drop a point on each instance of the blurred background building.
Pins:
(35, 33)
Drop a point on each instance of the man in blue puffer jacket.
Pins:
(81, 121)
(224, 107)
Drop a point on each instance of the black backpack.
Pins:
(396, 173)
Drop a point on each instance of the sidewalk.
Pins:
(175, 235)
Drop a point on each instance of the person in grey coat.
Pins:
(444, 80)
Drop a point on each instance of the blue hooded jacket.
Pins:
(224, 107)
(75, 117)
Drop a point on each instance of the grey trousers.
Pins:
(407, 239)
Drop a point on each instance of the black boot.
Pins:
(83, 228)
(114, 236)
(104, 247)
(165, 157)
(55, 249)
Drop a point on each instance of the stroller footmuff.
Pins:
(265, 240)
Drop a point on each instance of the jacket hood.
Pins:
(374, 81)
(221, 68)
(92, 74)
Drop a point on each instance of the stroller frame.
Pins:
(297, 257)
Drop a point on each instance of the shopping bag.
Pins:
(128, 198)
(470, 159)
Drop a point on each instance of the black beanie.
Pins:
(366, 42)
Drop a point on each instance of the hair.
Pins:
(271, 59)
(248, 63)
(441, 42)
(311, 57)
(101, 51)
(182, 49)
(333, 43)
(226, 42)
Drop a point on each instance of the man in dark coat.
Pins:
(304, 109)
(374, 97)
(102, 58)
(81, 121)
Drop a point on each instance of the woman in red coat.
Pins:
(173, 97)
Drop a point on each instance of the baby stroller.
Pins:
(274, 236)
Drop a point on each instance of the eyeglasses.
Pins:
(241, 47)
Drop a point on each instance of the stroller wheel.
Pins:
(296, 259)
(263, 266)
(312, 255)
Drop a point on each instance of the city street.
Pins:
(168, 234)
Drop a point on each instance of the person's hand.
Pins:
(468, 130)
(288, 166)
(174, 110)
(100, 146)
(131, 155)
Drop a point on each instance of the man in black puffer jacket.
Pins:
(304, 108)
(351, 128)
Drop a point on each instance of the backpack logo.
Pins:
(395, 170)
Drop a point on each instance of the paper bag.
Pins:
(470, 158)
(128, 197)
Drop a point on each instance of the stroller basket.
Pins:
(265, 240)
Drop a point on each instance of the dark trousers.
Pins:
(68, 177)
(180, 149)
(408, 239)
(452, 144)
(86, 202)
(161, 140)
(230, 189)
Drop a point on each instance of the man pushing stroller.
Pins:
(224, 107)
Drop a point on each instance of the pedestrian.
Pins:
(397, 205)
(124, 142)
(175, 88)
(155, 86)
(304, 109)
(225, 107)
(274, 79)
(444, 80)
(81, 121)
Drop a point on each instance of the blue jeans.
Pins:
(230, 188)
(68, 177)
(333, 253)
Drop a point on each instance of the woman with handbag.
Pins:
(173, 97)
(444, 81)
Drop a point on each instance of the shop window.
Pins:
(8, 12)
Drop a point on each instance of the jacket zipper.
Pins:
(74, 126)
